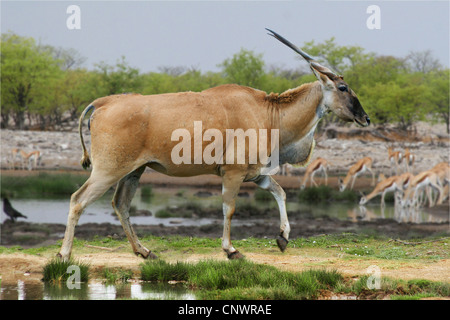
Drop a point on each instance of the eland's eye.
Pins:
(343, 88)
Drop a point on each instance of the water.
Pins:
(34, 290)
(47, 210)
(55, 210)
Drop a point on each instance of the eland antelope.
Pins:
(130, 132)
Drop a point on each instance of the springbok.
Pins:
(395, 184)
(130, 132)
(15, 154)
(409, 160)
(443, 171)
(33, 159)
(429, 178)
(361, 166)
(395, 157)
(315, 166)
(25, 157)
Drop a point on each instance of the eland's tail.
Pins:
(85, 161)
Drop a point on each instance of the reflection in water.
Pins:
(94, 291)
(55, 210)
(401, 214)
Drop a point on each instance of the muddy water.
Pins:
(24, 290)
(55, 210)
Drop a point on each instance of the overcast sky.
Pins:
(202, 34)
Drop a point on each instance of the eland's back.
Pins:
(130, 130)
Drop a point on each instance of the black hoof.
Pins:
(151, 256)
(282, 243)
(235, 255)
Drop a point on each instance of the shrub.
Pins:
(57, 270)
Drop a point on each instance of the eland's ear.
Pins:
(323, 74)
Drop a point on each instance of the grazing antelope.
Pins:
(391, 184)
(419, 182)
(24, 158)
(363, 165)
(33, 158)
(443, 171)
(409, 160)
(30, 158)
(395, 157)
(15, 154)
(315, 166)
(131, 132)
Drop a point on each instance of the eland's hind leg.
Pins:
(91, 190)
(125, 191)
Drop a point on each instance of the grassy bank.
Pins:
(42, 184)
(245, 280)
(312, 268)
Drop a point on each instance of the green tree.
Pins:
(438, 86)
(120, 78)
(339, 58)
(27, 71)
(245, 68)
(402, 101)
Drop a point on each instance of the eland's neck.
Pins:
(300, 110)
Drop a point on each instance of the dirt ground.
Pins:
(19, 266)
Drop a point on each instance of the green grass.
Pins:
(399, 289)
(42, 184)
(263, 195)
(146, 193)
(57, 271)
(242, 279)
(238, 280)
(323, 194)
(113, 275)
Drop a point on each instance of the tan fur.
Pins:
(395, 157)
(359, 167)
(395, 182)
(424, 179)
(312, 168)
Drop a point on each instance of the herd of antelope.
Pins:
(427, 187)
(29, 160)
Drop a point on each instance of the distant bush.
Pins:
(262, 195)
(42, 184)
(324, 194)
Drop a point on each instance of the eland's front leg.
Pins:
(230, 188)
(268, 183)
